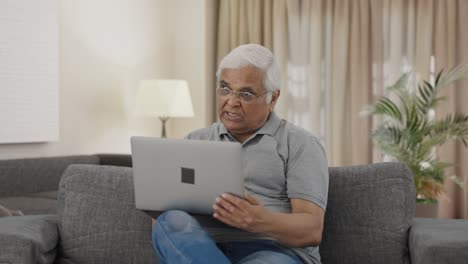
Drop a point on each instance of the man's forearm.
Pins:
(295, 229)
(301, 228)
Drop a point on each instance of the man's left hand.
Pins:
(244, 213)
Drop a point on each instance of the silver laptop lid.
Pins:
(184, 174)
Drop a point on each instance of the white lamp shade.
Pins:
(164, 98)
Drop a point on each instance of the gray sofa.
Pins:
(369, 219)
(30, 185)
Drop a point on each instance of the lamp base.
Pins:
(163, 120)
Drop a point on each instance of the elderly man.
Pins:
(280, 219)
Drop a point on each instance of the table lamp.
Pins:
(164, 99)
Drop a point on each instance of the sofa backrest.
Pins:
(31, 175)
(122, 160)
(369, 212)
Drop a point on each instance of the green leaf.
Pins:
(408, 135)
(386, 107)
(437, 79)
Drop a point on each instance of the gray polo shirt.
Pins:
(281, 161)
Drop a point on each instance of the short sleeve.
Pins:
(307, 171)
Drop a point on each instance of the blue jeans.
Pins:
(178, 238)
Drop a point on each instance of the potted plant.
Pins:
(410, 133)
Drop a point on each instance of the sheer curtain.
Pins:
(343, 53)
(450, 47)
(255, 21)
(338, 55)
(427, 36)
(329, 75)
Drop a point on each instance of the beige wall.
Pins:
(192, 39)
(106, 47)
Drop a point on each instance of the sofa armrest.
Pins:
(28, 239)
(438, 241)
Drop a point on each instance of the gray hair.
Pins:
(258, 57)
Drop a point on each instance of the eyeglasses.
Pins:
(245, 97)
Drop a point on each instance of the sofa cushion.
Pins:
(98, 221)
(434, 241)
(30, 205)
(369, 212)
(47, 195)
(28, 239)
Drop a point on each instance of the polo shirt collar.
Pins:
(271, 125)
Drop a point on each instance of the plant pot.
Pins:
(426, 210)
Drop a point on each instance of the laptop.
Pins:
(184, 174)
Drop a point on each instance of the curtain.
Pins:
(255, 21)
(329, 75)
(425, 37)
(343, 53)
(450, 48)
(338, 55)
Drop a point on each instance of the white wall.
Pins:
(106, 47)
(191, 40)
